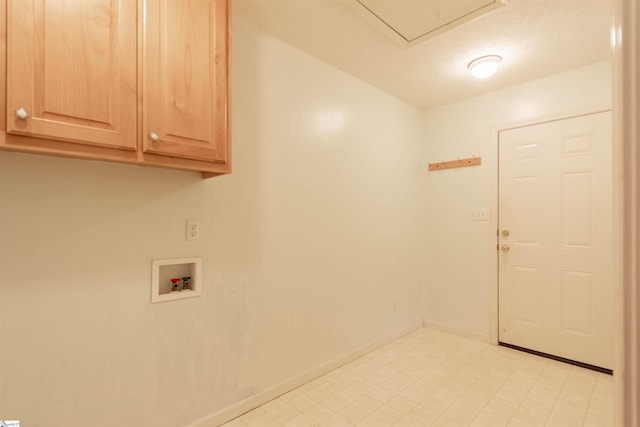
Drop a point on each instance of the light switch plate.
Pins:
(479, 215)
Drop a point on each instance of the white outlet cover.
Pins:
(192, 229)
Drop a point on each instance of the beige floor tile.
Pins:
(272, 404)
(597, 419)
(552, 378)
(387, 414)
(300, 421)
(318, 413)
(601, 409)
(291, 395)
(395, 385)
(466, 377)
(422, 416)
(351, 393)
(368, 403)
(576, 403)
(445, 422)
(382, 395)
(436, 406)
(333, 421)
(353, 414)
(263, 421)
(463, 411)
(258, 412)
(430, 378)
(283, 413)
(417, 392)
(602, 395)
(524, 418)
(372, 421)
(301, 403)
(401, 404)
(319, 393)
(540, 402)
(478, 396)
(513, 393)
(490, 418)
(408, 422)
(442, 397)
(547, 388)
(564, 419)
(234, 423)
(488, 384)
(501, 406)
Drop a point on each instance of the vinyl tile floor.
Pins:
(430, 378)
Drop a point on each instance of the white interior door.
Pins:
(555, 238)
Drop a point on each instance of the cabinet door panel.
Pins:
(185, 79)
(71, 65)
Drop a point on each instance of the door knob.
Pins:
(22, 113)
(505, 233)
(154, 136)
(505, 248)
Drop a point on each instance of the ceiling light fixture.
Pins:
(485, 66)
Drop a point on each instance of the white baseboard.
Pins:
(457, 331)
(252, 402)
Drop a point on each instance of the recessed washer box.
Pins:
(178, 278)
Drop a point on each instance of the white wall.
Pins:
(306, 246)
(328, 219)
(458, 257)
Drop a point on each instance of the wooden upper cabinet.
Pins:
(133, 81)
(185, 79)
(71, 71)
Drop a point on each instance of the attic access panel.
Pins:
(410, 22)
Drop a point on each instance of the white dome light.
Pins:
(485, 66)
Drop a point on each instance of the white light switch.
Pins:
(193, 229)
(479, 215)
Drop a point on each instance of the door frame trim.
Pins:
(626, 129)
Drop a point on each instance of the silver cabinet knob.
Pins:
(505, 248)
(154, 136)
(22, 113)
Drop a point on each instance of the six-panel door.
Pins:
(556, 251)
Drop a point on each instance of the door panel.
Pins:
(71, 66)
(556, 276)
(185, 79)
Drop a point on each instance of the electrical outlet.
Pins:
(479, 215)
(193, 229)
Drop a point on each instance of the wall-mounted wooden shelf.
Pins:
(452, 164)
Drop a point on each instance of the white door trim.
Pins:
(626, 128)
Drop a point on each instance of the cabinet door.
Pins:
(185, 79)
(71, 71)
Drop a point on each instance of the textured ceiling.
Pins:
(535, 38)
(410, 22)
